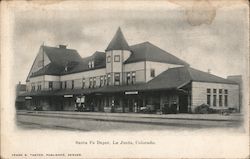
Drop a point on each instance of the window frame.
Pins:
(209, 99)
(94, 82)
(117, 60)
(101, 81)
(117, 78)
(220, 100)
(83, 83)
(226, 100)
(72, 84)
(208, 90)
(108, 79)
(61, 85)
(65, 84)
(133, 79)
(108, 59)
(90, 82)
(214, 100)
(128, 78)
(152, 72)
(104, 80)
(214, 90)
(50, 85)
(89, 64)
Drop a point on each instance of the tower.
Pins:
(117, 52)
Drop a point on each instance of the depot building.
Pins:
(124, 78)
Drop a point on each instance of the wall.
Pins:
(35, 81)
(44, 82)
(159, 68)
(199, 94)
(138, 67)
(86, 74)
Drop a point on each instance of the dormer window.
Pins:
(117, 58)
(91, 64)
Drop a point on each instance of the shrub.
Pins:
(203, 109)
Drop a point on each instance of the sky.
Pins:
(206, 35)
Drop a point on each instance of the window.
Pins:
(83, 82)
(94, 82)
(65, 84)
(72, 84)
(61, 84)
(39, 87)
(101, 81)
(152, 72)
(225, 101)
(208, 99)
(220, 100)
(208, 90)
(108, 79)
(108, 59)
(50, 85)
(214, 100)
(117, 58)
(214, 90)
(105, 80)
(133, 78)
(90, 82)
(226, 91)
(220, 91)
(117, 78)
(128, 78)
(89, 64)
(33, 88)
(226, 98)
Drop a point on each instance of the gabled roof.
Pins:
(99, 59)
(179, 76)
(118, 42)
(61, 56)
(149, 52)
(59, 59)
(200, 76)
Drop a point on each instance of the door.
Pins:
(183, 104)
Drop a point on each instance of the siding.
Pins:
(158, 67)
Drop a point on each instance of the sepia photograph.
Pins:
(133, 79)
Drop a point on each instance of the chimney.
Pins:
(62, 46)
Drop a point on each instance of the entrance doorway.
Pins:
(183, 104)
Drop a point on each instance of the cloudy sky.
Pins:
(206, 35)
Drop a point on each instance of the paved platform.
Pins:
(211, 117)
(96, 121)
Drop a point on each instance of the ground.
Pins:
(94, 121)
